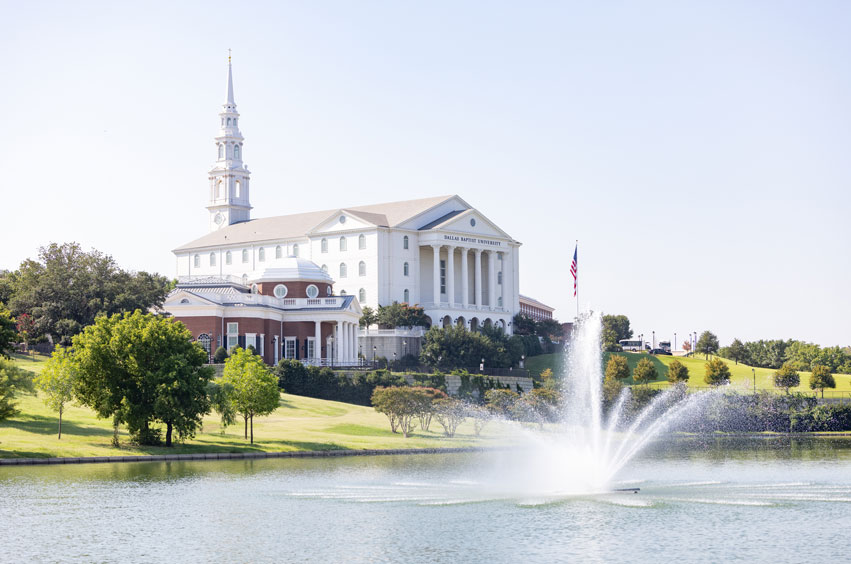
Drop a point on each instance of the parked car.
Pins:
(660, 351)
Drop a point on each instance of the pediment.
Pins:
(341, 220)
(182, 298)
(471, 222)
(451, 205)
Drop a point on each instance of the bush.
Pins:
(449, 413)
(677, 372)
(501, 402)
(434, 380)
(220, 355)
(645, 371)
(822, 418)
(717, 372)
(324, 383)
(401, 405)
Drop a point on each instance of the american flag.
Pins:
(573, 269)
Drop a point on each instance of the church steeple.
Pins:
(229, 202)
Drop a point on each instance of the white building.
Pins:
(437, 252)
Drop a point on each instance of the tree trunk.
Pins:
(60, 422)
(252, 428)
(245, 418)
(168, 428)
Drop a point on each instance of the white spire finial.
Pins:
(230, 82)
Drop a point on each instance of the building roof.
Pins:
(390, 214)
(534, 302)
(293, 269)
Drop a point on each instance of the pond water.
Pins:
(710, 500)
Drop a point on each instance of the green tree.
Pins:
(220, 355)
(645, 372)
(368, 317)
(737, 351)
(821, 378)
(456, 347)
(617, 368)
(615, 328)
(56, 381)
(501, 402)
(8, 333)
(253, 388)
(449, 413)
(677, 372)
(707, 344)
(13, 380)
(717, 372)
(400, 315)
(67, 288)
(787, 377)
(400, 404)
(141, 369)
(524, 325)
(612, 388)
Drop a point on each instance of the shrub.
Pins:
(617, 367)
(677, 372)
(401, 405)
(717, 372)
(822, 418)
(220, 355)
(501, 402)
(645, 371)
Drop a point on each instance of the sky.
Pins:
(698, 151)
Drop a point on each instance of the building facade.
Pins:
(438, 252)
(539, 311)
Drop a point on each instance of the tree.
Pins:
(737, 351)
(645, 372)
(524, 325)
(686, 346)
(617, 368)
(7, 333)
(707, 344)
(787, 377)
(449, 413)
(66, 288)
(368, 317)
(141, 369)
(501, 402)
(400, 404)
(612, 388)
(253, 389)
(615, 328)
(25, 326)
(821, 378)
(400, 315)
(677, 372)
(717, 372)
(456, 347)
(543, 404)
(220, 355)
(56, 381)
(12, 381)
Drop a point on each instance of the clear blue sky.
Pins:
(698, 151)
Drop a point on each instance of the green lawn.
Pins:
(299, 424)
(742, 375)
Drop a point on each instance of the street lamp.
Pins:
(675, 340)
(482, 366)
(374, 350)
(522, 361)
(754, 380)
(394, 358)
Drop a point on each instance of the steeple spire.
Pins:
(230, 82)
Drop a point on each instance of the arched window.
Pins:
(212, 259)
(219, 189)
(406, 296)
(279, 253)
(342, 243)
(405, 242)
(499, 301)
(206, 342)
(228, 121)
(361, 268)
(261, 254)
(406, 269)
(295, 249)
(244, 255)
(343, 270)
(196, 262)
(228, 258)
(324, 245)
(221, 151)
(362, 295)
(236, 152)
(324, 268)
(499, 277)
(362, 241)
(237, 189)
(223, 122)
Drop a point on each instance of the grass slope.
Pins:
(742, 375)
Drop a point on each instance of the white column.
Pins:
(492, 278)
(354, 341)
(436, 273)
(317, 340)
(478, 273)
(465, 278)
(338, 342)
(344, 342)
(450, 275)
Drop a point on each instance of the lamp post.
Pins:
(675, 340)
(522, 361)
(394, 358)
(754, 380)
(482, 366)
(374, 350)
(405, 354)
(654, 340)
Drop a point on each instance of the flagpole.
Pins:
(576, 251)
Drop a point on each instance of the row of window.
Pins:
(323, 245)
(237, 149)
(229, 121)
(220, 189)
(261, 256)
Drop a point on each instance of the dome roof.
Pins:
(293, 269)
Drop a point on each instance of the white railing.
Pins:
(397, 332)
(210, 279)
(291, 303)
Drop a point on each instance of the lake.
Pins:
(700, 500)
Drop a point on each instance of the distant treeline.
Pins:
(774, 353)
